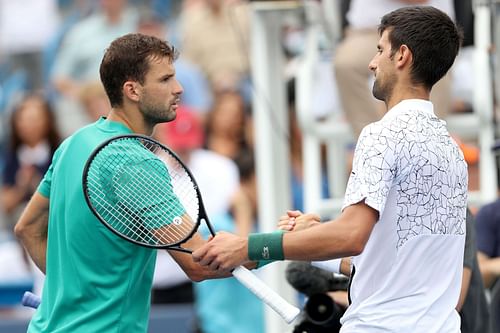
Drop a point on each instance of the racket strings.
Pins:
(125, 220)
(143, 192)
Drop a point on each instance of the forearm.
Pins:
(343, 237)
(31, 229)
(326, 241)
(490, 273)
(36, 247)
(466, 276)
(490, 269)
(195, 271)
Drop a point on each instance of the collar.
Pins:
(406, 105)
(112, 126)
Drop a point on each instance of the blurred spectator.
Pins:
(230, 207)
(33, 139)
(472, 304)
(227, 125)
(217, 179)
(296, 154)
(215, 35)
(244, 209)
(217, 175)
(72, 12)
(79, 57)
(357, 48)
(198, 97)
(81, 52)
(25, 29)
(488, 242)
(94, 100)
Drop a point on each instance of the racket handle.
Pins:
(266, 294)
(31, 300)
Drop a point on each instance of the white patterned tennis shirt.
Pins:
(408, 278)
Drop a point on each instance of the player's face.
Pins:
(382, 66)
(160, 93)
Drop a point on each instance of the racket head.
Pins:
(143, 192)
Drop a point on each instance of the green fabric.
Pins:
(128, 183)
(266, 246)
(96, 281)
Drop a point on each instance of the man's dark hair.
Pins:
(432, 37)
(128, 58)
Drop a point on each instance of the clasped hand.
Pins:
(226, 251)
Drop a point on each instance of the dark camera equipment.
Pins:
(320, 313)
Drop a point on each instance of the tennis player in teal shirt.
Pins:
(96, 281)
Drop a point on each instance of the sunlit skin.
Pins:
(160, 93)
(157, 98)
(392, 71)
(382, 66)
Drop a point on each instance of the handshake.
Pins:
(226, 251)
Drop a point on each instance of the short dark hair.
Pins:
(127, 58)
(430, 34)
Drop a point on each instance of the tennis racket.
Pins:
(144, 193)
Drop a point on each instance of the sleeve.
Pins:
(46, 182)
(470, 241)
(486, 231)
(374, 168)
(146, 189)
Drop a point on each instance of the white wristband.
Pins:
(329, 265)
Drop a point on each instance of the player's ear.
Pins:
(131, 90)
(404, 55)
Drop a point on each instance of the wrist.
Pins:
(266, 246)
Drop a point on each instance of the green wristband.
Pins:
(266, 246)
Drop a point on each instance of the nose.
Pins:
(372, 65)
(179, 89)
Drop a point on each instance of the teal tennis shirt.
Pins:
(95, 281)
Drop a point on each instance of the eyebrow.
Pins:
(168, 75)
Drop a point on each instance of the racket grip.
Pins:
(31, 300)
(266, 294)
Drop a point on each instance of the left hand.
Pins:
(223, 253)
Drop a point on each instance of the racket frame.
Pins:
(202, 214)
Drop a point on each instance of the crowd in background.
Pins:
(50, 52)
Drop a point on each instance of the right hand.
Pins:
(295, 220)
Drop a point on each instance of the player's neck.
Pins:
(133, 120)
(408, 92)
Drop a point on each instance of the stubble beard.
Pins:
(155, 114)
(383, 91)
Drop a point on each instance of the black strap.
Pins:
(349, 285)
